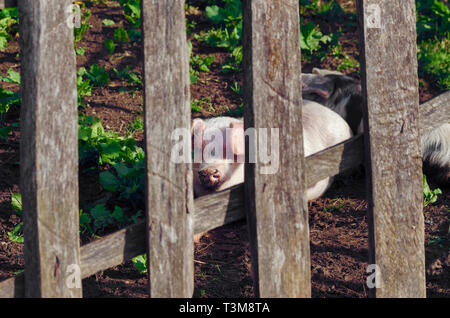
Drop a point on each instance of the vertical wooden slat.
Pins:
(275, 203)
(394, 166)
(49, 149)
(7, 3)
(169, 190)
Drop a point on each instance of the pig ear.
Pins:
(321, 92)
(197, 129)
(237, 141)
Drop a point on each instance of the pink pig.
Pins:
(322, 128)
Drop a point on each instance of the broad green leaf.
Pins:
(5, 131)
(121, 169)
(3, 41)
(16, 202)
(108, 22)
(120, 35)
(110, 46)
(16, 235)
(118, 215)
(80, 51)
(140, 263)
(109, 181)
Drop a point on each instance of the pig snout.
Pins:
(210, 178)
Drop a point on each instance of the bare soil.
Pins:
(338, 221)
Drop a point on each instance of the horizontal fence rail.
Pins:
(220, 208)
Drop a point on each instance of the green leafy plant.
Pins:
(14, 77)
(125, 179)
(429, 196)
(130, 77)
(136, 125)
(201, 63)
(230, 13)
(197, 105)
(132, 10)
(121, 35)
(236, 88)
(238, 112)
(140, 263)
(227, 38)
(347, 63)
(4, 132)
(7, 99)
(329, 9)
(132, 13)
(80, 51)
(8, 24)
(433, 30)
(101, 218)
(190, 26)
(108, 22)
(16, 203)
(311, 38)
(96, 74)
(434, 60)
(228, 31)
(193, 74)
(110, 46)
(16, 235)
(233, 64)
(81, 31)
(127, 182)
(107, 146)
(433, 19)
(84, 87)
(85, 223)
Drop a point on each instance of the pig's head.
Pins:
(216, 170)
(337, 91)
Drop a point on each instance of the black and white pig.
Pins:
(342, 94)
(322, 128)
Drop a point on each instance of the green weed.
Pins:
(429, 196)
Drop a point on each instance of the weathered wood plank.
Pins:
(394, 166)
(435, 112)
(276, 203)
(8, 3)
(49, 148)
(169, 185)
(335, 160)
(113, 249)
(13, 287)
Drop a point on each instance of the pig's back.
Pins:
(221, 122)
(322, 127)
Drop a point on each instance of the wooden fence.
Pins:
(274, 205)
